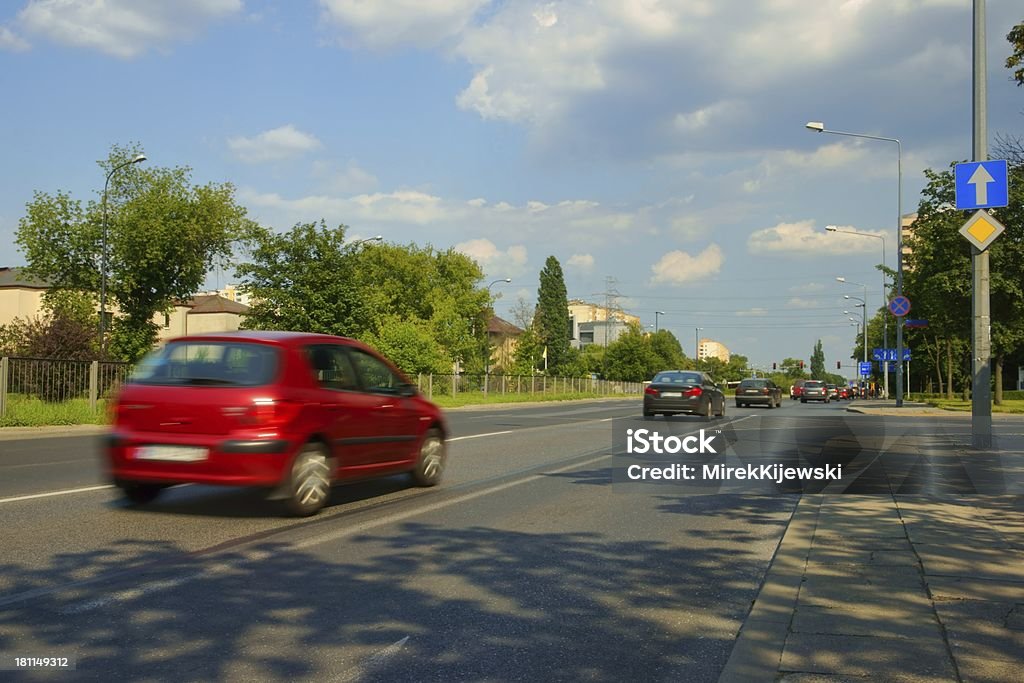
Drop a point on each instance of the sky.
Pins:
(657, 149)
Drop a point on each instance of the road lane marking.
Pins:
(56, 493)
(478, 436)
(374, 662)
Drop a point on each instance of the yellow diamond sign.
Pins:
(981, 230)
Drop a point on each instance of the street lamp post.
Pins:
(138, 158)
(376, 238)
(820, 127)
(487, 337)
(656, 314)
(696, 344)
(885, 318)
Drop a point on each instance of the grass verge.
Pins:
(1009, 406)
(27, 411)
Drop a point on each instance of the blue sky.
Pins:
(658, 143)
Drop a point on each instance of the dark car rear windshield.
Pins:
(208, 363)
(753, 384)
(677, 378)
(813, 385)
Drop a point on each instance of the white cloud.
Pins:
(756, 312)
(273, 145)
(584, 262)
(122, 28)
(809, 287)
(679, 267)
(805, 238)
(379, 24)
(11, 41)
(797, 302)
(345, 179)
(492, 259)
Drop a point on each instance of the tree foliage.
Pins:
(1015, 61)
(818, 362)
(163, 235)
(552, 316)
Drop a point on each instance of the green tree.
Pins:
(528, 353)
(163, 236)
(630, 357)
(667, 352)
(791, 367)
(939, 279)
(552, 317)
(1016, 60)
(302, 280)
(736, 369)
(818, 362)
(411, 345)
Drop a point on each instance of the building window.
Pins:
(167, 320)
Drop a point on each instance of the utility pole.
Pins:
(981, 342)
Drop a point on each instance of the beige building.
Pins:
(201, 314)
(231, 293)
(907, 230)
(593, 324)
(503, 338)
(20, 296)
(709, 348)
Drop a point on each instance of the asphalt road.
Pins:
(526, 564)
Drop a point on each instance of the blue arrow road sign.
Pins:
(899, 306)
(865, 368)
(889, 354)
(981, 185)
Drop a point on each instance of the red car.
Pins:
(291, 411)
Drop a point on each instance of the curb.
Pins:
(757, 652)
(51, 431)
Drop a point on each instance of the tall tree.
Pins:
(552, 317)
(818, 362)
(163, 236)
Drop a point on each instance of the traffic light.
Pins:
(801, 365)
(775, 366)
(839, 365)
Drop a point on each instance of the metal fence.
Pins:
(58, 381)
(541, 385)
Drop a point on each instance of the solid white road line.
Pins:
(56, 493)
(478, 436)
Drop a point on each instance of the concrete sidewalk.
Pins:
(883, 588)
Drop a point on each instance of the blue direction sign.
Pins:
(889, 354)
(981, 185)
(865, 368)
(899, 306)
(915, 323)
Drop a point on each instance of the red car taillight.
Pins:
(651, 391)
(764, 391)
(696, 391)
(268, 412)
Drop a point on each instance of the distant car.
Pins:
(814, 390)
(796, 389)
(844, 393)
(833, 391)
(289, 411)
(683, 391)
(755, 391)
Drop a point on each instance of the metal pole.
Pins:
(885, 323)
(981, 342)
(899, 273)
(103, 266)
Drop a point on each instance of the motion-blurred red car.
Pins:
(290, 411)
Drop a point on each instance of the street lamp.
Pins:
(138, 158)
(376, 238)
(656, 314)
(885, 318)
(819, 127)
(487, 335)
